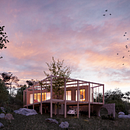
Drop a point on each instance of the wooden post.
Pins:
(27, 97)
(92, 94)
(89, 101)
(103, 94)
(65, 97)
(33, 97)
(41, 99)
(24, 98)
(77, 99)
(51, 100)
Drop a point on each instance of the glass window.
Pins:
(43, 96)
(68, 95)
(81, 95)
(48, 96)
(31, 98)
(35, 98)
(39, 97)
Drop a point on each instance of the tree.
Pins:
(3, 38)
(8, 78)
(4, 95)
(59, 72)
(31, 82)
(116, 97)
(19, 95)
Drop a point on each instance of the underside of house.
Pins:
(79, 95)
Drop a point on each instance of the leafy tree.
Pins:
(3, 38)
(30, 82)
(9, 79)
(127, 96)
(117, 98)
(59, 72)
(19, 95)
(4, 95)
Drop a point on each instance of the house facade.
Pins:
(77, 94)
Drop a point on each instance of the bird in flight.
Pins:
(126, 46)
(123, 57)
(105, 13)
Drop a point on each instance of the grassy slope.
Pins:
(38, 122)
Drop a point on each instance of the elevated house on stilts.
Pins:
(83, 96)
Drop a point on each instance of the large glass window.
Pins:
(48, 96)
(37, 97)
(81, 95)
(43, 96)
(68, 95)
(31, 98)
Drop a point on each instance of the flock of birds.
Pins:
(126, 46)
(125, 34)
(106, 13)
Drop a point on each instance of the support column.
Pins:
(65, 98)
(33, 97)
(51, 100)
(24, 98)
(41, 100)
(92, 95)
(77, 99)
(27, 97)
(103, 94)
(89, 101)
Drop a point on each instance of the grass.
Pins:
(37, 122)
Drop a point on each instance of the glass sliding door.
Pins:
(81, 95)
(68, 95)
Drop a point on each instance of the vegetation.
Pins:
(9, 79)
(37, 122)
(117, 97)
(3, 38)
(59, 72)
(4, 94)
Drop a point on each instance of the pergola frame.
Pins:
(67, 82)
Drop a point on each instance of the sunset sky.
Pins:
(71, 30)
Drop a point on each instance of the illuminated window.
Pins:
(68, 95)
(48, 95)
(39, 97)
(81, 95)
(35, 98)
(43, 96)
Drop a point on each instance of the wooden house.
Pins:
(77, 94)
